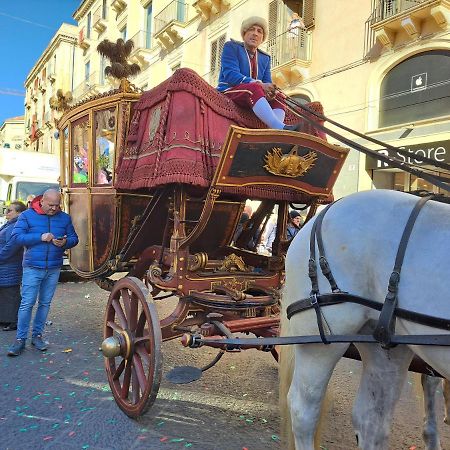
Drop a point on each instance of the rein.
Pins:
(305, 113)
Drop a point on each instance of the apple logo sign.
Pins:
(419, 81)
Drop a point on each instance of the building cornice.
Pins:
(82, 9)
(62, 35)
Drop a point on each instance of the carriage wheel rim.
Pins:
(135, 375)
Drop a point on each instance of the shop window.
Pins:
(66, 161)
(80, 143)
(416, 89)
(105, 139)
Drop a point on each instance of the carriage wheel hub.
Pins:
(119, 345)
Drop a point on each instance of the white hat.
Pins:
(255, 20)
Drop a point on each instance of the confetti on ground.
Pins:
(67, 350)
(177, 440)
(48, 438)
(164, 439)
(413, 447)
(275, 437)
(188, 444)
(72, 433)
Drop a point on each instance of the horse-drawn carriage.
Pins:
(156, 184)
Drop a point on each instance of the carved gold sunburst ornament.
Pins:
(290, 165)
(233, 263)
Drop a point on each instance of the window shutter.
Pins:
(308, 13)
(216, 55)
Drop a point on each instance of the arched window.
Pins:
(416, 89)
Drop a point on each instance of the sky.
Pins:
(27, 28)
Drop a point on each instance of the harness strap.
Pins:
(344, 297)
(386, 323)
(312, 271)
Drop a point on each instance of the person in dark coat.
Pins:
(10, 270)
(294, 224)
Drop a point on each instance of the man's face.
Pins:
(253, 37)
(50, 204)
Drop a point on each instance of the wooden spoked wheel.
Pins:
(132, 346)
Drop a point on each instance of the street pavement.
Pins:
(61, 400)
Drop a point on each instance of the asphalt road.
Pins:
(61, 400)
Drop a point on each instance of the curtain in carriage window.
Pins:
(80, 149)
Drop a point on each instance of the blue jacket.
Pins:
(235, 66)
(28, 231)
(11, 268)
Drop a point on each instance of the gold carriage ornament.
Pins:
(290, 165)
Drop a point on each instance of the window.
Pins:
(104, 9)
(87, 70)
(105, 140)
(123, 33)
(216, 55)
(102, 69)
(148, 26)
(80, 145)
(416, 89)
(88, 26)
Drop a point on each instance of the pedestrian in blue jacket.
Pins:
(245, 75)
(10, 270)
(46, 232)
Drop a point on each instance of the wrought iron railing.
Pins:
(175, 11)
(142, 39)
(293, 44)
(99, 14)
(383, 9)
(90, 82)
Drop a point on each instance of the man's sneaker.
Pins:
(39, 343)
(17, 348)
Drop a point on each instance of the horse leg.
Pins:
(430, 432)
(446, 391)
(314, 365)
(384, 373)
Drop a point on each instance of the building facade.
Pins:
(53, 72)
(12, 133)
(378, 66)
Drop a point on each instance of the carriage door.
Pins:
(103, 198)
(76, 169)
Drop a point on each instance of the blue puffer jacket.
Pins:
(11, 268)
(31, 225)
(235, 66)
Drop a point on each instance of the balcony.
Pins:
(90, 86)
(51, 77)
(403, 20)
(83, 42)
(99, 20)
(118, 6)
(141, 51)
(207, 9)
(291, 55)
(48, 119)
(169, 24)
(34, 96)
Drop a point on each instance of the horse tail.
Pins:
(286, 371)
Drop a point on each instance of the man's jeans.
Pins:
(36, 282)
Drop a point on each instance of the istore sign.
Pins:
(437, 151)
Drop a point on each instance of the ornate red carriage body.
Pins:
(156, 185)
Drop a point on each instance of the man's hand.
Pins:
(47, 237)
(270, 90)
(60, 242)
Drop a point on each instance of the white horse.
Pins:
(361, 235)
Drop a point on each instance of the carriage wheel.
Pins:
(132, 346)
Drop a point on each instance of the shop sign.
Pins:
(438, 151)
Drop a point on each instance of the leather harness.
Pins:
(385, 330)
